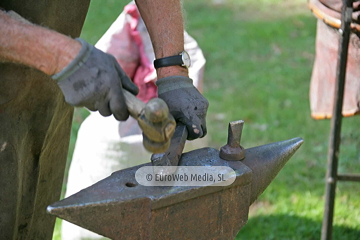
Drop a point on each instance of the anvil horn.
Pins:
(267, 162)
(119, 208)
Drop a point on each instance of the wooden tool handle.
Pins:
(135, 105)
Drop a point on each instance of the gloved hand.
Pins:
(185, 103)
(95, 80)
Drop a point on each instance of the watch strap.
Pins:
(169, 61)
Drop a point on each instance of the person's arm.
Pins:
(34, 46)
(164, 22)
(86, 76)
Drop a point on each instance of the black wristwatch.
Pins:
(183, 59)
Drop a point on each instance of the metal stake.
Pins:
(334, 141)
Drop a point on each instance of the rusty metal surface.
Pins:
(233, 151)
(172, 156)
(118, 208)
(267, 161)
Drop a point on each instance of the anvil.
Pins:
(118, 207)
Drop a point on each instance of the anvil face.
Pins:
(119, 208)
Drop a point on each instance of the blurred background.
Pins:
(259, 61)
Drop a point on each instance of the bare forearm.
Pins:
(164, 22)
(35, 46)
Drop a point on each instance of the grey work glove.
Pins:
(95, 80)
(185, 103)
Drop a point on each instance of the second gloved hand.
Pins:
(185, 103)
(95, 80)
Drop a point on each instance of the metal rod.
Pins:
(334, 141)
(349, 177)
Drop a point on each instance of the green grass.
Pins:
(259, 63)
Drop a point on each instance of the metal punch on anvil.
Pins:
(119, 208)
(231, 151)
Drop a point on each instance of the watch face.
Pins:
(186, 59)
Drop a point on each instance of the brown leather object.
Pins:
(324, 74)
(330, 12)
(336, 5)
